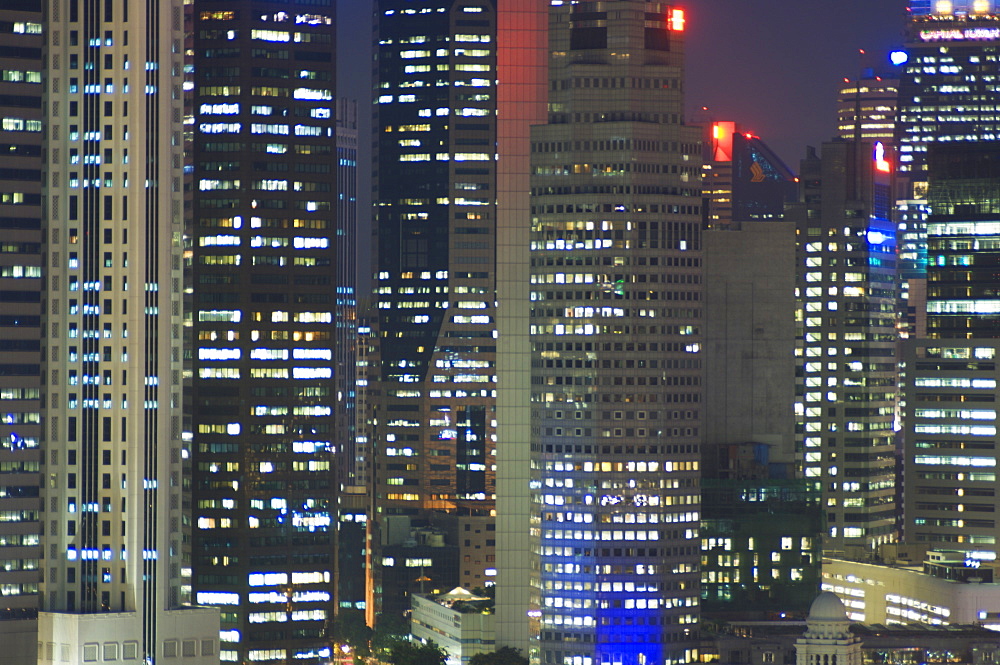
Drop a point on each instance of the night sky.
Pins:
(774, 65)
(770, 65)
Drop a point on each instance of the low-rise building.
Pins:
(947, 588)
(460, 622)
(829, 638)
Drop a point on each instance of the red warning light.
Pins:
(676, 20)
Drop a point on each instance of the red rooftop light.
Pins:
(677, 20)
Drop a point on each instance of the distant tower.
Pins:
(847, 293)
(352, 453)
(873, 98)
(828, 639)
(743, 179)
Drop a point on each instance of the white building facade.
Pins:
(114, 581)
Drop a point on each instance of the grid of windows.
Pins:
(20, 302)
(267, 309)
(615, 325)
(435, 289)
(846, 297)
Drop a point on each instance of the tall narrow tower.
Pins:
(849, 374)
(112, 226)
(20, 323)
(444, 177)
(268, 312)
(615, 325)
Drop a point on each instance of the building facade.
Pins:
(750, 326)
(950, 411)
(524, 101)
(744, 180)
(435, 256)
(21, 286)
(615, 324)
(867, 106)
(945, 88)
(760, 541)
(910, 594)
(946, 94)
(847, 295)
(270, 302)
(116, 577)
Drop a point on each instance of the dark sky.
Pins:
(774, 65)
(770, 65)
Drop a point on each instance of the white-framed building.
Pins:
(459, 622)
(894, 595)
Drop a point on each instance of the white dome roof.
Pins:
(827, 607)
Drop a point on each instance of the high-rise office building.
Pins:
(946, 84)
(749, 268)
(115, 578)
(524, 100)
(756, 506)
(267, 311)
(435, 252)
(870, 100)
(615, 331)
(20, 320)
(354, 465)
(846, 290)
(946, 94)
(950, 418)
(946, 90)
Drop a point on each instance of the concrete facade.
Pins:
(749, 332)
(75, 639)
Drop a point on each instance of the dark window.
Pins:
(588, 38)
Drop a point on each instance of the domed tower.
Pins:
(828, 639)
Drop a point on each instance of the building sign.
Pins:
(954, 34)
(881, 163)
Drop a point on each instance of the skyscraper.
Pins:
(115, 579)
(353, 454)
(946, 85)
(846, 290)
(950, 417)
(435, 253)
(615, 332)
(20, 320)
(871, 99)
(269, 305)
(946, 94)
(524, 99)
